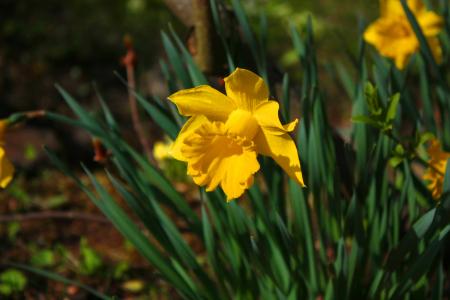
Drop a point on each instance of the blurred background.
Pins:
(79, 44)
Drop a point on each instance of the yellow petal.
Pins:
(214, 158)
(188, 129)
(416, 6)
(283, 150)
(266, 114)
(203, 100)
(239, 170)
(6, 170)
(436, 48)
(371, 35)
(391, 8)
(430, 23)
(401, 60)
(246, 89)
(161, 150)
(438, 164)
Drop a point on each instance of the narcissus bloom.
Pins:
(161, 150)
(394, 37)
(6, 169)
(225, 133)
(436, 172)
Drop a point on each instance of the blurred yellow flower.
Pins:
(161, 150)
(6, 169)
(221, 140)
(436, 172)
(394, 37)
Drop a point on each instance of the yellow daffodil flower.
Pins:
(436, 172)
(161, 150)
(225, 133)
(393, 36)
(6, 169)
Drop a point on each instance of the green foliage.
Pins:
(345, 236)
(30, 153)
(174, 170)
(56, 277)
(43, 258)
(12, 281)
(380, 117)
(90, 260)
(13, 229)
(120, 269)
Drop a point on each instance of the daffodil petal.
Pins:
(437, 168)
(393, 8)
(416, 6)
(203, 100)
(401, 61)
(239, 175)
(436, 48)
(430, 23)
(371, 34)
(283, 150)
(6, 170)
(188, 129)
(266, 114)
(246, 88)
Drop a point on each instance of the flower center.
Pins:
(215, 139)
(397, 27)
(242, 123)
(217, 156)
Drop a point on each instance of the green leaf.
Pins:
(392, 108)
(446, 186)
(249, 37)
(299, 44)
(176, 61)
(424, 46)
(424, 137)
(12, 281)
(395, 161)
(43, 258)
(159, 116)
(120, 269)
(13, 229)
(195, 73)
(57, 277)
(372, 100)
(82, 114)
(126, 226)
(91, 261)
(346, 80)
(286, 99)
(409, 242)
(221, 33)
(367, 120)
(109, 118)
(420, 266)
